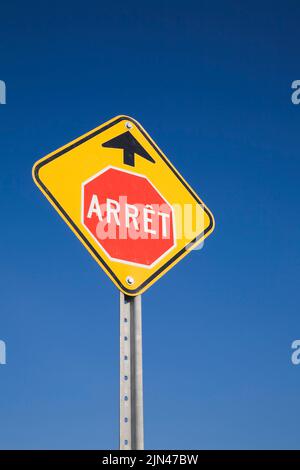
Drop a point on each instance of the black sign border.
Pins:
(131, 292)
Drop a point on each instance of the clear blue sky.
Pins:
(211, 83)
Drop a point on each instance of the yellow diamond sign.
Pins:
(125, 201)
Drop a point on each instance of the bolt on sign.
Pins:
(125, 201)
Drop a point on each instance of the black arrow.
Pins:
(130, 146)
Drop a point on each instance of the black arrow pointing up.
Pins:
(130, 146)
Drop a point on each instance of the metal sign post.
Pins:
(131, 374)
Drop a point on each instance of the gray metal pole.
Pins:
(131, 374)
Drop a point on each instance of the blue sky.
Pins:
(211, 83)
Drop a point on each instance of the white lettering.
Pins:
(113, 208)
(131, 213)
(148, 220)
(164, 218)
(94, 208)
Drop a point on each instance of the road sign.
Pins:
(110, 217)
(125, 201)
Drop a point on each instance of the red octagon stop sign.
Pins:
(128, 217)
